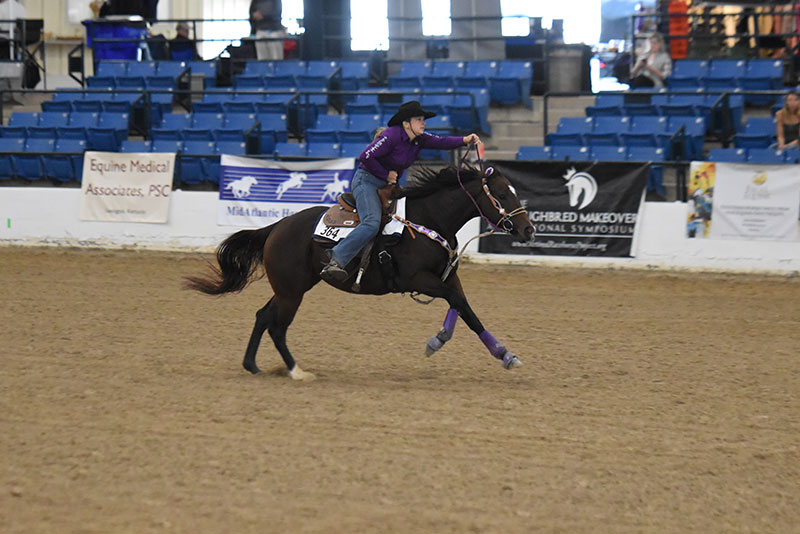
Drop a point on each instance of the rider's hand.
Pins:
(392, 178)
(472, 139)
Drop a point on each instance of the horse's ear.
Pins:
(489, 171)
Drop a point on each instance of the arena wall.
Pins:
(49, 216)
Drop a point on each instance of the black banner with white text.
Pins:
(577, 208)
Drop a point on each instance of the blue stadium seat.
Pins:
(53, 118)
(360, 128)
(61, 165)
(273, 130)
(326, 129)
(443, 75)
(240, 106)
(766, 155)
(759, 132)
(91, 106)
(476, 75)
(171, 69)
(323, 150)
(22, 118)
(534, 153)
(725, 74)
(608, 153)
(111, 130)
(36, 132)
(351, 150)
(579, 125)
(436, 103)
(176, 121)
(28, 163)
(233, 148)
(111, 68)
(8, 148)
(136, 145)
(695, 131)
(101, 82)
(63, 106)
(606, 104)
(167, 145)
(289, 67)
(363, 104)
(208, 121)
(355, 76)
(470, 113)
(290, 150)
(81, 119)
(728, 155)
(512, 83)
(410, 74)
(208, 69)
(607, 131)
(194, 153)
(564, 139)
(259, 68)
(167, 134)
(762, 75)
(655, 177)
(570, 153)
(688, 74)
(143, 69)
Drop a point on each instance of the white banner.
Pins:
(126, 187)
(757, 202)
(255, 192)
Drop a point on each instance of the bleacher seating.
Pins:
(759, 132)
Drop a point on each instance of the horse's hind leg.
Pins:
(437, 342)
(263, 319)
(285, 309)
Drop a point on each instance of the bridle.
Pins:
(505, 224)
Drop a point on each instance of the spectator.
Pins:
(181, 47)
(265, 23)
(652, 69)
(787, 122)
(9, 10)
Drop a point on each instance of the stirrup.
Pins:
(333, 272)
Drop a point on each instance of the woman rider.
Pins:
(383, 161)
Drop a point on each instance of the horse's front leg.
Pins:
(454, 294)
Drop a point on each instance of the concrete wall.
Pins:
(49, 216)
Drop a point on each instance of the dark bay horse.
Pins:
(438, 204)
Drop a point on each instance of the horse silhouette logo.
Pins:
(241, 187)
(295, 181)
(582, 187)
(334, 189)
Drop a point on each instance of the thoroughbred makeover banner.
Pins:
(130, 187)
(256, 193)
(750, 202)
(577, 208)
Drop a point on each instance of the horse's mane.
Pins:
(427, 181)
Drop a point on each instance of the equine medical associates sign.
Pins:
(577, 208)
(130, 187)
(257, 193)
(743, 201)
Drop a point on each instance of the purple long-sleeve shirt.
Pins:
(394, 151)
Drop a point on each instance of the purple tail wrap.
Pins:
(495, 347)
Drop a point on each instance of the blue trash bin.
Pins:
(120, 27)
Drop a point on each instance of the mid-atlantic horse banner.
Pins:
(254, 192)
(578, 208)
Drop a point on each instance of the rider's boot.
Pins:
(333, 271)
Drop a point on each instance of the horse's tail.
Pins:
(238, 256)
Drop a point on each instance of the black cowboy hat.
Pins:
(407, 110)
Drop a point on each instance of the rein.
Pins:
(505, 224)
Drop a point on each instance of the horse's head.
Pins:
(498, 202)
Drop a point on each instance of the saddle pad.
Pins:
(337, 233)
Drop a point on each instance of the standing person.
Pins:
(383, 161)
(265, 22)
(787, 122)
(653, 69)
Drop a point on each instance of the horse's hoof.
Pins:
(299, 374)
(253, 368)
(433, 345)
(510, 360)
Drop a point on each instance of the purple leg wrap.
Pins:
(495, 347)
(450, 321)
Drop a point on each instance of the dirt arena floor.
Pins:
(647, 402)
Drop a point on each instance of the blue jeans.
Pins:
(365, 188)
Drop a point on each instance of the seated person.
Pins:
(652, 69)
(181, 47)
(787, 122)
